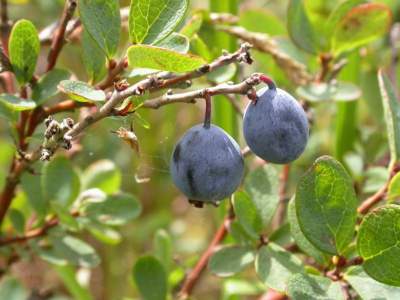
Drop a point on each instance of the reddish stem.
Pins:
(268, 81)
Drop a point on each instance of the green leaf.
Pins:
(262, 186)
(247, 214)
(234, 287)
(104, 175)
(15, 103)
(222, 74)
(75, 251)
(299, 237)
(33, 190)
(100, 231)
(68, 276)
(24, 47)
(143, 56)
(81, 91)
(46, 87)
(199, 47)
(306, 287)
(338, 91)
(361, 25)
(151, 21)
(261, 20)
(102, 20)
(93, 57)
(378, 243)
(115, 210)
(326, 205)
(192, 26)
(275, 265)
(374, 179)
(17, 219)
(391, 109)
(59, 181)
(11, 289)
(300, 28)
(176, 42)
(66, 219)
(8, 113)
(150, 278)
(163, 248)
(230, 260)
(368, 288)
(394, 188)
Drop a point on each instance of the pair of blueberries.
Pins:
(207, 164)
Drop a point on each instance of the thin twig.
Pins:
(195, 274)
(113, 74)
(58, 40)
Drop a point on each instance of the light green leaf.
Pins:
(176, 42)
(261, 20)
(11, 289)
(115, 210)
(394, 188)
(46, 87)
(24, 47)
(17, 219)
(60, 182)
(8, 113)
(101, 232)
(81, 91)
(299, 237)
(306, 287)
(275, 265)
(150, 278)
(143, 56)
(193, 25)
(326, 205)
(262, 186)
(234, 287)
(338, 91)
(391, 109)
(247, 214)
(222, 74)
(300, 28)
(104, 175)
(361, 25)
(15, 103)
(75, 251)
(102, 20)
(368, 288)
(378, 243)
(231, 260)
(94, 59)
(199, 47)
(151, 21)
(33, 190)
(67, 221)
(163, 248)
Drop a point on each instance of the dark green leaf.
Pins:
(299, 237)
(46, 87)
(81, 91)
(368, 288)
(11, 289)
(378, 244)
(143, 56)
(94, 58)
(326, 205)
(300, 28)
(163, 248)
(338, 91)
(247, 214)
(230, 260)
(115, 209)
(15, 103)
(24, 49)
(262, 186)
(391, 108)
(275, 265)
(59, 181)
(150, 278)
(361, 25)
(176, 42)
(17, 219)
(306, 287)
(102, 20)
(104, 175)
(33, 190)
(152, 20)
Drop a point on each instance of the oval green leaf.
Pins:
(46, 87)
(24, 49)
(15, 103)
(326, 206)
(151, 21)
(247, 214)
(81, 91)
(104, 175)
(230, 260)
(102, 20)
(94, 58)
(175, 42)
(378, 243)
(143, 56)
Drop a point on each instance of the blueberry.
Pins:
(207, 164)
(275, 126)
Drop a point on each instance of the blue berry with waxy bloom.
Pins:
(207, 164)
(275, 126)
